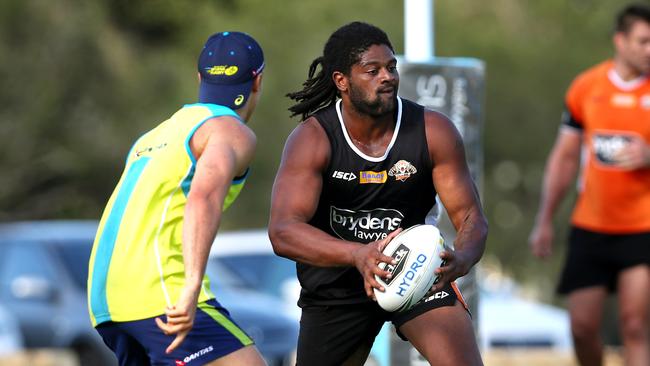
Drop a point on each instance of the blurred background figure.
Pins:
(605, 132)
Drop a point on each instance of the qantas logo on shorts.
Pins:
(343, 175)
(194, 356)
(364, 225)
(402, 170)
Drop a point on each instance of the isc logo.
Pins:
(344, 175)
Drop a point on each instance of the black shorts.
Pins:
(596, 259)
(330, 334)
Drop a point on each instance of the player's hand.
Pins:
(180, 318)
(541, 240)
(367, 258)
(634, 155)
(455, 264)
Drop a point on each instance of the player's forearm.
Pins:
(304, 243)
(202, 218)
(559, 174)
(471, 237)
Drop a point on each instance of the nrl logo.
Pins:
(402, 170)
(400, 255)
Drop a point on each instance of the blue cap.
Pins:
(228, 64)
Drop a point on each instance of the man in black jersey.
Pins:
(353, 172)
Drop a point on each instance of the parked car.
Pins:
(505, 319)
(43, 270)
(508, 320)
(11, 341)
(43, 273)
(275, 334)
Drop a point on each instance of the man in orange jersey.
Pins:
(607, 123)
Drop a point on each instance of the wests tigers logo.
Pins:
(402, 170)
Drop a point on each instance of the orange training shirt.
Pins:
(608, 111)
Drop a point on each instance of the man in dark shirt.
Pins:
(352, 173)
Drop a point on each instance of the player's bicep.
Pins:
(299, 182)
(214, 172)
(568, 144)
(295, 193)
(451, 175)
(227, 152)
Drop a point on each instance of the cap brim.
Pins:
(231, 96)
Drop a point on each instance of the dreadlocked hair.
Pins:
(342, 50)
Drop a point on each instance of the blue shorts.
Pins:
(141, 342)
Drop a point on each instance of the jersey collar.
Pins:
(354, 147)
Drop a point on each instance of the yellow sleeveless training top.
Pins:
(136, 267)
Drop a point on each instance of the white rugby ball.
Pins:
(417, 252)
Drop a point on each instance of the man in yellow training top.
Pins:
(148, 295)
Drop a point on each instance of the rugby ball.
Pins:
(417, 252)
